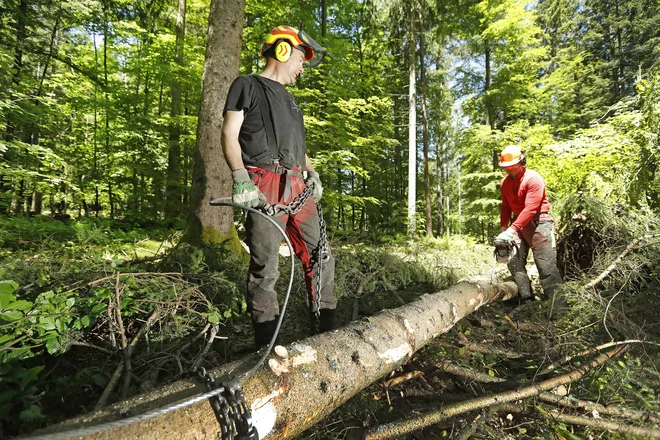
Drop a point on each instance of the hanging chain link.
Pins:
(319, 257)
(230, 409)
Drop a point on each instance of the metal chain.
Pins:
(295, 205)
(230, 409)
(319, 257)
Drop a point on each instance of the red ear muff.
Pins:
(283, 51)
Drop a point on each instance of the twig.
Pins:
(473, 375)
(131, 274)
(572, 402)
(397, 429)
(612, 266)
(513, 324)
(116, 375)
(88, 345)
(124, 341)
(402, 378)
(202, 355)
(486, 349)
(605, 425)
(592, 350)
(609, 303)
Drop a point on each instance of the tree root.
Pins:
(397, 429)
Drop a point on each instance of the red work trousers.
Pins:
(263, 240)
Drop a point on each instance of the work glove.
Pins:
(506, 236)
(244, 192)
(313, 178)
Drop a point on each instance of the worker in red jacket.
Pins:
(525, 221)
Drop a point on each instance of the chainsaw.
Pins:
(505, 251)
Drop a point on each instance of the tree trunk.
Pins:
(412, 132)
(425, 132)
(305, 382)
(174, 155)
(211, 175)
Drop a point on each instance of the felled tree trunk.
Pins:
(302, 384)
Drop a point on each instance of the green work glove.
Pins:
(314, 179)
(506, 236)
(244, 192)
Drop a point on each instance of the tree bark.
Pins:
(173, 188)
(308, 380)
(425, 130)
(412, 132)
(211, 176)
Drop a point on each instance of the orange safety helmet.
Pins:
(283, 39)
(511, 155)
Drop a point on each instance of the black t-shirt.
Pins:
(286, 116)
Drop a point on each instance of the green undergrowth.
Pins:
(73, 293)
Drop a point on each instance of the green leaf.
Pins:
(53, 345)
(11, 315)
(214, 317)
(31, 375)
(6, 298)
(20, 305)
(30, 414)
(6, 338)
(7, 287)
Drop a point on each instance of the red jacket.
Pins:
(524, 197)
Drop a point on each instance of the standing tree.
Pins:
(211, 177)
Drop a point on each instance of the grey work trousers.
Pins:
(540, 238)
(264, 240)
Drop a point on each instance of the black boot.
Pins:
(263, 332)
(327, 320)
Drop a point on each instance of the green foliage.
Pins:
(55, 296)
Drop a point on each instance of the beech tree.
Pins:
(211, 176)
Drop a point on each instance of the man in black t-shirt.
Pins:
(263, 139)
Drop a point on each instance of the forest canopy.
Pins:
(99, 104)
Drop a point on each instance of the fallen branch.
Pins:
(605, 425)
(612, 266)
(616, 411)
(209, 342)
(485, 349)
(473, 375)
(567, 401)
(550, 368)
(554, 415)
(397, 429)
(116, 375)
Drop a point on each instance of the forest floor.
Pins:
(73, 294)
